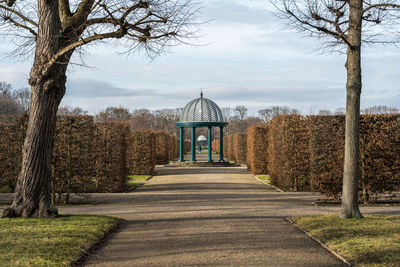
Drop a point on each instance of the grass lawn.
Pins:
(264, 177)
(136, 180)
(371, 241)
(50, 242)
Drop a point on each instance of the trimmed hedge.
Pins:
(186, 146)
(172, 148)
(379, 154)
(239, 147)
(327, 154)
(12, 134)
(177, 147)
(86, 157)
(72, 168)
(110, 156)
(226, 147)
(231, 152)
(161, 148)
(257, 147)
(216, 146)
(288, 152)
(141, 152)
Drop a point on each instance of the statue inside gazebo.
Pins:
(202, 141)
(201, 112)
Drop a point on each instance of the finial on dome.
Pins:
(201, 93)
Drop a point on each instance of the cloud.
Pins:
(251, 59)
(228, 11)
(88, 88)
(16, 74)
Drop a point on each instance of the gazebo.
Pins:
(201, 112)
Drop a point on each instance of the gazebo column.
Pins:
(193, 157)
(209, 145)
(221, 143)
(181, 144)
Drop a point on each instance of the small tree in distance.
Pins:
(55, 30)
(272, 112)
(346, 24)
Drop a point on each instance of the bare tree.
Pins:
(23, 97)
(240, 112)
(142, 119)
(236, 126)
(113, 114)
(346, 24)
(340, 111)
(8, 106)
(5, 89)
(272, 112)
(56, 30)
(165, 119)
(8, 103)
(226, 113)
(68, 110)
(266, 114)
(324, 112)
(380, 110)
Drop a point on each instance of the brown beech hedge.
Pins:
(161, 148)
(72, 168)
(141, 152)
(87, 157)
(326, 154)
(239, 147)
(288, 152)
(379, 154)
(110, 165)
(230, 150)
(12, 134)
(257, 148)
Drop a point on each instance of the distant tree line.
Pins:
(13, 101)
(16, 101)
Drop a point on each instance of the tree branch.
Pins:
(381, 6)
(10, 2)
(141, 4)
(24, 18)
(64, 10)
(121, 32)
(337, 35)
(7, 18)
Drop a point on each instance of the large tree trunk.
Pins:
(353, 87)
(32, 195)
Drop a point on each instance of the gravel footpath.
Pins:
(207, 217)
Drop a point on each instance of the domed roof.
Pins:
(201, 110)
(202, 138)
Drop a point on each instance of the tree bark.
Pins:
(350, 207)
(32, 196)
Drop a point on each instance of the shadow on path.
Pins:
(208, 217)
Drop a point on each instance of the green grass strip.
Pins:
(138, 177)
(371, 241)
(136, 180)
(264, 177)
(50, 241)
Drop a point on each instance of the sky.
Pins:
(245, 56)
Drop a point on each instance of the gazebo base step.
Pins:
(201, 164)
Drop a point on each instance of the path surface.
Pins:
(206, 217)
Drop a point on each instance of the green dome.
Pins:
(201, 110)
